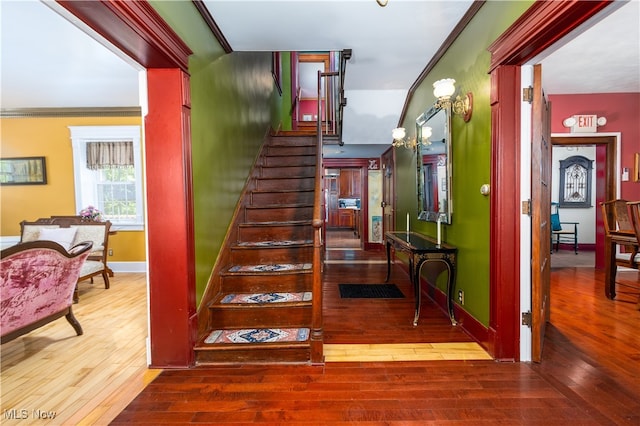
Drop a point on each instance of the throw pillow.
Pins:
(62, 236)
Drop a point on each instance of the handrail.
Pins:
(330, 125)
(316, 337)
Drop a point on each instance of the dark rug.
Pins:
(370, 291)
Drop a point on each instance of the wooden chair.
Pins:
(633, 208)
(560, 234)
(616, 218)
(634, 213)
(96, 232)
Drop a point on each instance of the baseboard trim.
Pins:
(128, 266)
(469, 324)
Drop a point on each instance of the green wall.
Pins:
(234, 102)
(287, 98)
(467, 61)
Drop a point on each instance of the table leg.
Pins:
(388, 262)
(449, 293)
(609, 268)
(451, 279)
(415, 280)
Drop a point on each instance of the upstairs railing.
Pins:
(334, 100)
(329, 127)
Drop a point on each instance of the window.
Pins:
(114, 189)
(575, 182)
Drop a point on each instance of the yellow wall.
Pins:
(50, 138)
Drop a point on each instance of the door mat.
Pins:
(370, 291)
(258, 335)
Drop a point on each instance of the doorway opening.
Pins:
(344, 202)
(603, 149)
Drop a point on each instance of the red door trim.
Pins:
(544, 23)
(504, 267)
(135, 28)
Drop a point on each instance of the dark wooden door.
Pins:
(331, 190)
(540, 211)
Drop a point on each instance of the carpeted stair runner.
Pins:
(262, 298)
(278, 267)
(258, 335)
(274, 243)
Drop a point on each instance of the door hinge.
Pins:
(526, 207)
(526, 318)
(527, 94)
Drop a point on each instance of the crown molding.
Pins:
(71, 112)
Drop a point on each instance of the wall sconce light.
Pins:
(400, 138)
(444, 90)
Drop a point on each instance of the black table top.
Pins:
(419, 243)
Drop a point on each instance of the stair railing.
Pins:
(316, 338)
(329, 124)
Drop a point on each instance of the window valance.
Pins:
(111, 154)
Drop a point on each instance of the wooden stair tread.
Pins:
(288, 177)
(276, 191)
(279, 206)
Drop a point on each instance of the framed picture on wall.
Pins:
(23, 171)
(636, 168)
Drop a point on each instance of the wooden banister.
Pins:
(316, 338)
(334, 104)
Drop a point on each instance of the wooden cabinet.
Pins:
(347, 185)
(345, 218)
(350, 183)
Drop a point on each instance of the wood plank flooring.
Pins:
(84, 379)
(569, 386)
(589, 374)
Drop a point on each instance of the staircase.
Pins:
(259, 305)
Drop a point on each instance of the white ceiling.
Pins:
(391, 46)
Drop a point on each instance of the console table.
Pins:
(423, 249)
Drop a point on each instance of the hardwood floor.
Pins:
(342, 238)
(589, 374)
(597, 387)
(84, 379)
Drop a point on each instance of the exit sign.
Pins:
(585, 124)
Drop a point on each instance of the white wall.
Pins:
(585, 217)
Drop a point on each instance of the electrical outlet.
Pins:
(461, 296)
(110, 252)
